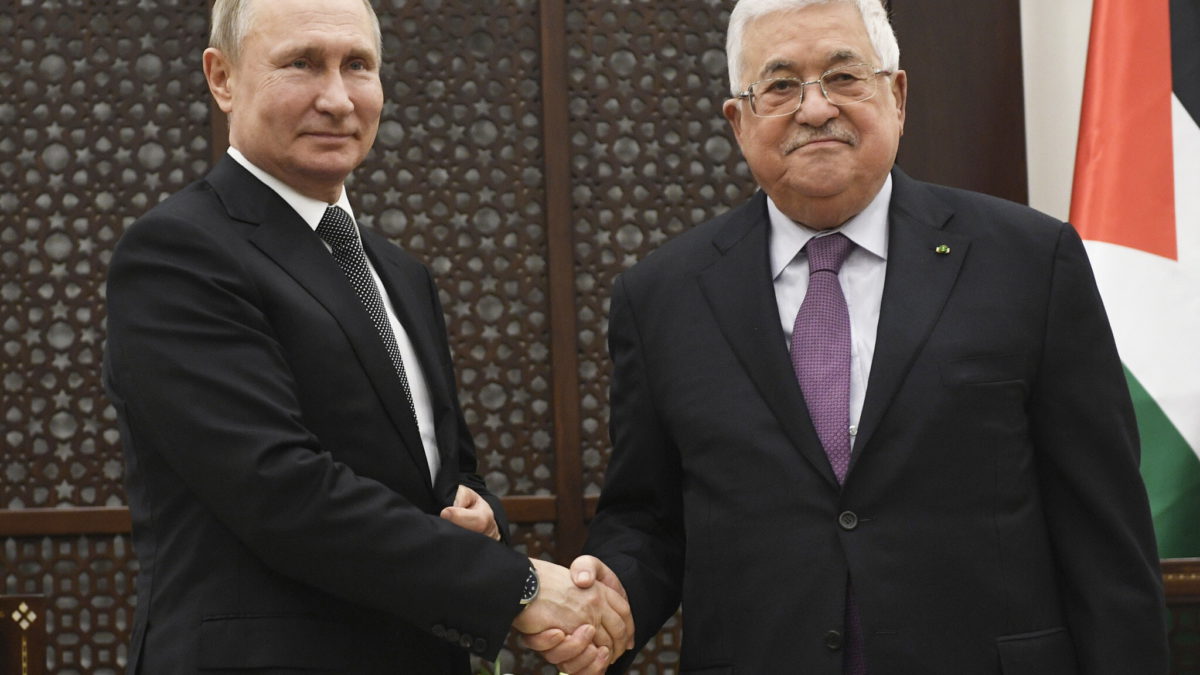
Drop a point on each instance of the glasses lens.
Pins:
(849, 85)
(775, 97)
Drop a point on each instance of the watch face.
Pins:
(531, 587)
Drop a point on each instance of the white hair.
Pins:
(233, 19)
(874, 16)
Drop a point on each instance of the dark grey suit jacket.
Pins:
(284, 516)
(993, 519)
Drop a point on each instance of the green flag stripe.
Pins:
(1171, 470)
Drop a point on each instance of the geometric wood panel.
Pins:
(104, 114)
(456, 179)
(651, 156)
(89, 586)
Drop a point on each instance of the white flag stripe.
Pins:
(1154, 303)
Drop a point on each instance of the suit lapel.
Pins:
(918, 282)
(740, 292)
(408, 289)
(285, 238)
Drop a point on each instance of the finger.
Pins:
(573, 648)
(620, 605)
(464, 518)
(593, 662)
(540, 642)
(613, 622)
(585, 570)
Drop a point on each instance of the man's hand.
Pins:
(579, 629)
(472, 512)
(575, 652)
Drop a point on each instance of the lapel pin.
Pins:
(942, 249)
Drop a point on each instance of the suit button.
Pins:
(848, 520)
(451, 635)
(465, 641)
(479, 646)
(833, 640)
(439, 631)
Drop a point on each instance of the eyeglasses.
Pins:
(844, 85)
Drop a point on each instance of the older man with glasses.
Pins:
(864, 424)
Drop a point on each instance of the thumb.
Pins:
(543, 641)
(585, 570)
(465, 496)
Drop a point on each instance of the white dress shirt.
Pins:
(311, 210)
(861, 277)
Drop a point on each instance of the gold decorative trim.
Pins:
(1181, 580)
(24, 616)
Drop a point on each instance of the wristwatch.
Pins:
(531, 587)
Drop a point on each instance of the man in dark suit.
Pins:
(919, 460)
(302, 483)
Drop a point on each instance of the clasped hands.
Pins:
(575, 623)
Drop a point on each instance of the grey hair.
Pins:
(231, 21)
(879, 29)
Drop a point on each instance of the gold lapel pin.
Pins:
(942, 249)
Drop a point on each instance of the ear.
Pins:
(732, 110)
(218, 70)
(899, 92)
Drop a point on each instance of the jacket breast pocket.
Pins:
(291, 641)
(990, 369)
(1045, 652)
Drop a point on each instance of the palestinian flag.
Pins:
(1136, 201)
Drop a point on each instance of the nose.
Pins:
(815, 110)
(334, 97)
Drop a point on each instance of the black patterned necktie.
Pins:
(337, 229)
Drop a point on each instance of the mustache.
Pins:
(826, 132)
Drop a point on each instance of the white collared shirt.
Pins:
(311, 211)
(861, 277)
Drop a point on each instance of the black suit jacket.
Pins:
(993, 519)
(284, 516)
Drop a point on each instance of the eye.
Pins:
(840, 78)
(298, 63)
(358, 65)
(780, 87)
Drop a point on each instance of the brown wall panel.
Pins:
(966, 118)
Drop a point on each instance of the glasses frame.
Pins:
(748, 96)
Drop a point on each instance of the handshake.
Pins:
(575, 623)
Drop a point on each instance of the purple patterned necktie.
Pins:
(821, 348)
(821, 360)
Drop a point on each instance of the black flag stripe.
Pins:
(1185, 55)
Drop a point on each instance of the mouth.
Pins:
(328, 135)
(814, 143)
(821, 138)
